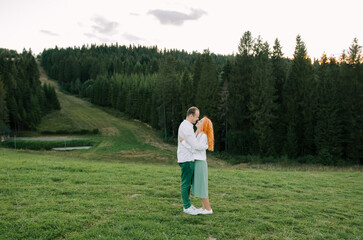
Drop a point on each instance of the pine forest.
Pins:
(260, 102)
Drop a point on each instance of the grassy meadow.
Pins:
(54, 197)
(127, 186)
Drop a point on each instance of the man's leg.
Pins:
(187, 173)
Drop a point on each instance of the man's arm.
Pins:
(186, 145)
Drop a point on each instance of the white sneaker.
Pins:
(205, 211)
(191, 210)
(199, 210)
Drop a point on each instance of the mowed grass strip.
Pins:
(76, 114)
(54, 197)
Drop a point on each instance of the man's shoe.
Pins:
(191, 210)
(205, 211)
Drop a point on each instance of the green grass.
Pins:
(53, 196)
(127, 186)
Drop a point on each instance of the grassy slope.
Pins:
(112, 192)
(121, 139)
(47, 197)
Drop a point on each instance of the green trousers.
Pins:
(187, 173)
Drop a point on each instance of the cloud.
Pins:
(176, 18)
(102, 29)
(49, 33)
(104, 26)
(132, 38)
(90, 35)
(102, 39)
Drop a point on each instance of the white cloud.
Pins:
(176, 18)
(132, 38)
(104, 26)
(49, 33)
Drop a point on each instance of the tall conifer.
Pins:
(240, 135)
(328, 128)
(186, 92)
(262, 105)
(299, 99)
(4, 116)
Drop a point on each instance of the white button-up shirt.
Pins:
(184, 153)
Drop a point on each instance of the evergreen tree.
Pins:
(34, 116)
(328, 130)
(51, 98)
(223, 106)
(77, 86)
(351, 97)
(186, 92)
(197, 72)
(14, 116)
(246, 44)
(168, 99)
(299, 99)
(355, 53)
(54, 100)
(4, 116)
(208, 93)
(280, 67)
(262, 106)
(20, 81)
(240, 136)
(207, 98)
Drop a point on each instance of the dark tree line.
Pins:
(23, 100)
(74, 66)
(260, 102)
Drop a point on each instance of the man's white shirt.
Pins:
(184, 153)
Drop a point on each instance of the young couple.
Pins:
(193, 160)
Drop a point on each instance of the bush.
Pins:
(325, 158)
(72, 132)
(310, 159)
(46, 145)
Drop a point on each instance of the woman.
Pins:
(204, 135)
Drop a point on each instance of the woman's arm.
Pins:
(202, 144)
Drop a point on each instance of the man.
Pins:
(186, 159)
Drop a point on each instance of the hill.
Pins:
(120, 138)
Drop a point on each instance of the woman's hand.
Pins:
(181, 139)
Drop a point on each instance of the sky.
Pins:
(325, 26)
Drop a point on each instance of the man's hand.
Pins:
(181, 139)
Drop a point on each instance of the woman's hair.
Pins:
(207, 129)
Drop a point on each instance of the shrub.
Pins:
(325, 158)
(72, 132)
(46, 145)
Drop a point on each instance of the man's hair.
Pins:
(192, 110)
